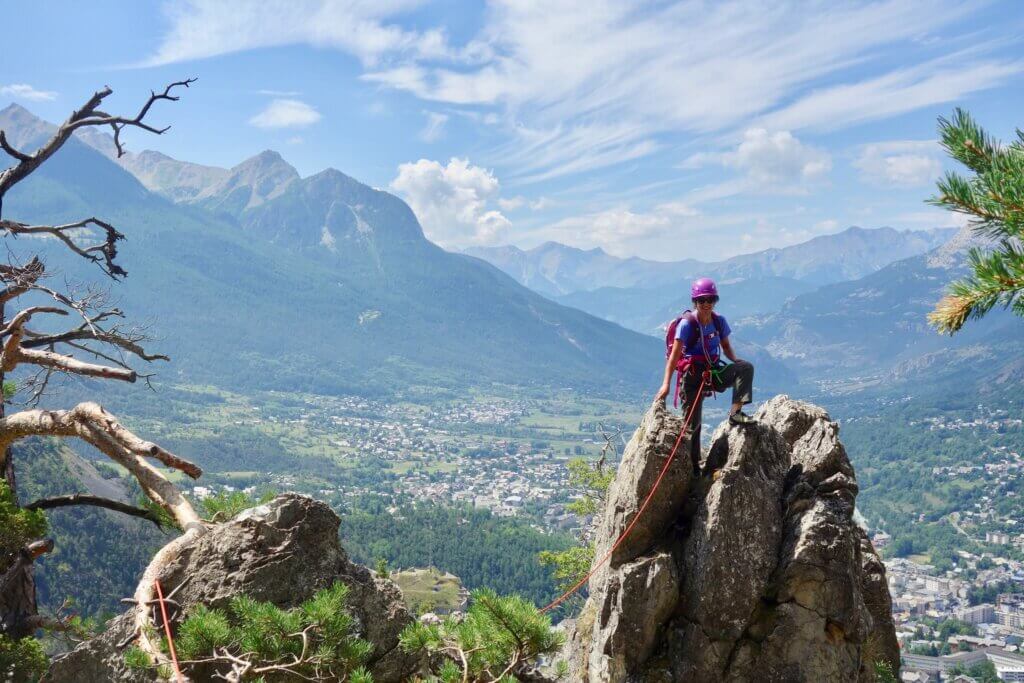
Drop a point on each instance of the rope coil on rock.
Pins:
(639, 513)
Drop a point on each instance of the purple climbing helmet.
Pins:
(703, 286)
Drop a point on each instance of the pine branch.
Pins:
(997, 277)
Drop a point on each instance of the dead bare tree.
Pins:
(97, 345)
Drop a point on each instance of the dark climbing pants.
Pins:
(739, 376)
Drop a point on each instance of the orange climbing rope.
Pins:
(167, 630)
(657, 482)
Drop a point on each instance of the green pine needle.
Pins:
(993, 198)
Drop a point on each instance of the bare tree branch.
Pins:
(14, 352)
(20, 156)
(102, 254)
(88, 115)
(128, 341)
(96, 501)
(91, 423)
(58, 361)
(17, 323)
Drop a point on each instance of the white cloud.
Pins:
(295, 140)
(575, 91)
(511, 203)
(279, 93)
(618, 230)
(935, 218)
(892, 93)
(434, 128)
(778, 158)
(286, 114)
(826, 226)
(769, 162)
(518, 202)
(206, 28)
(453, 201)
(596, 88)
(903, 163)
(24, 91)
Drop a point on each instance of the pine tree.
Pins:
(497, 641)
(993, 199)
(254, 641)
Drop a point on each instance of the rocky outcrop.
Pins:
(754, 572)
(282, 552)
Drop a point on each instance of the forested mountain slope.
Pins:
(326, 286)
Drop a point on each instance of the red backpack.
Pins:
(684, 362)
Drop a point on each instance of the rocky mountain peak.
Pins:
(755, 573)
(251, 183)
(22, 127)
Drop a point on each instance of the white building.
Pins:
(979, 614)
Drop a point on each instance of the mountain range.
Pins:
(556, 270)
(642, 295)
(258, 278)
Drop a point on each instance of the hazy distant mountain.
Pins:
(320, 284)
(176, 180)
(249, 184)
(557, 270)
(847, 255)
(647, 310)
(23, 128)
(876, 327)
(241, 187)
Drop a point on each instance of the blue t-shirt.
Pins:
(711, 339)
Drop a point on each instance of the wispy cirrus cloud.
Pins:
(578, 91)
(892, 93)
(286, 114)
(24, 91)
(200, 29)
(587, 90)
(434, 128)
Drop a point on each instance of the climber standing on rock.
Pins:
(694, 342)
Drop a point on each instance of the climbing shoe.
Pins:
(740, 418)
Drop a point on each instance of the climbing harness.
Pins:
(167, 630)
(639, 513)
(685, 363)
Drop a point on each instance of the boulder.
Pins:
(282, 552)
(754, 572)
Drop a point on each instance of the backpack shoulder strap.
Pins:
(691, 317)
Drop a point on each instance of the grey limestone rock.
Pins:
(637, 589)
(282, 552)
(755, 572)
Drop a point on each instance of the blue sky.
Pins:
(662, 130)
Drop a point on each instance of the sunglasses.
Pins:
(706, 300)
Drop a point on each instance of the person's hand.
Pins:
(662, 393)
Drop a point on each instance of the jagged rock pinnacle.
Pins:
(755, 573)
